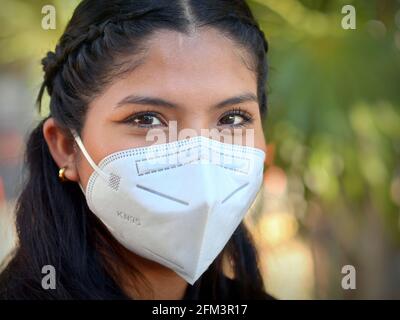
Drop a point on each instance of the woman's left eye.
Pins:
(234, 119)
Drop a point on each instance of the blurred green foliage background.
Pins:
(332, 191)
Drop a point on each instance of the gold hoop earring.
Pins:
(61, 174)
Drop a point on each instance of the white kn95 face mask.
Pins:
(176, 203)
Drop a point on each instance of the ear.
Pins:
(61, 148)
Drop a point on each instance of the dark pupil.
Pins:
(229, 119)
(144, 119)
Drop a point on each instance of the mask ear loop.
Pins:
(78, 140)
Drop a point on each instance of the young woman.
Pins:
(111, 229)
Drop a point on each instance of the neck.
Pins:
(150, 279)
(160, 282)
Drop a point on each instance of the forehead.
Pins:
(202, 53)
(178, 65)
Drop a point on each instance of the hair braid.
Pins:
(68, 47)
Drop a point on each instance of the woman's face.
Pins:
(187, 79)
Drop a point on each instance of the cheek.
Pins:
(84, 170)
(259, 142)
(259, 137)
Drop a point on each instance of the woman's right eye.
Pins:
(146, 120)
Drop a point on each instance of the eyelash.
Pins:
(247, 118)
(130, 119)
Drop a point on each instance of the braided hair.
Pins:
(103, 40)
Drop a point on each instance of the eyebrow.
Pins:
(154, 101)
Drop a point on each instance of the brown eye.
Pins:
(146, 120)
(231, 120)
(234, 118)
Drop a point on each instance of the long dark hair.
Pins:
(54, 224)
